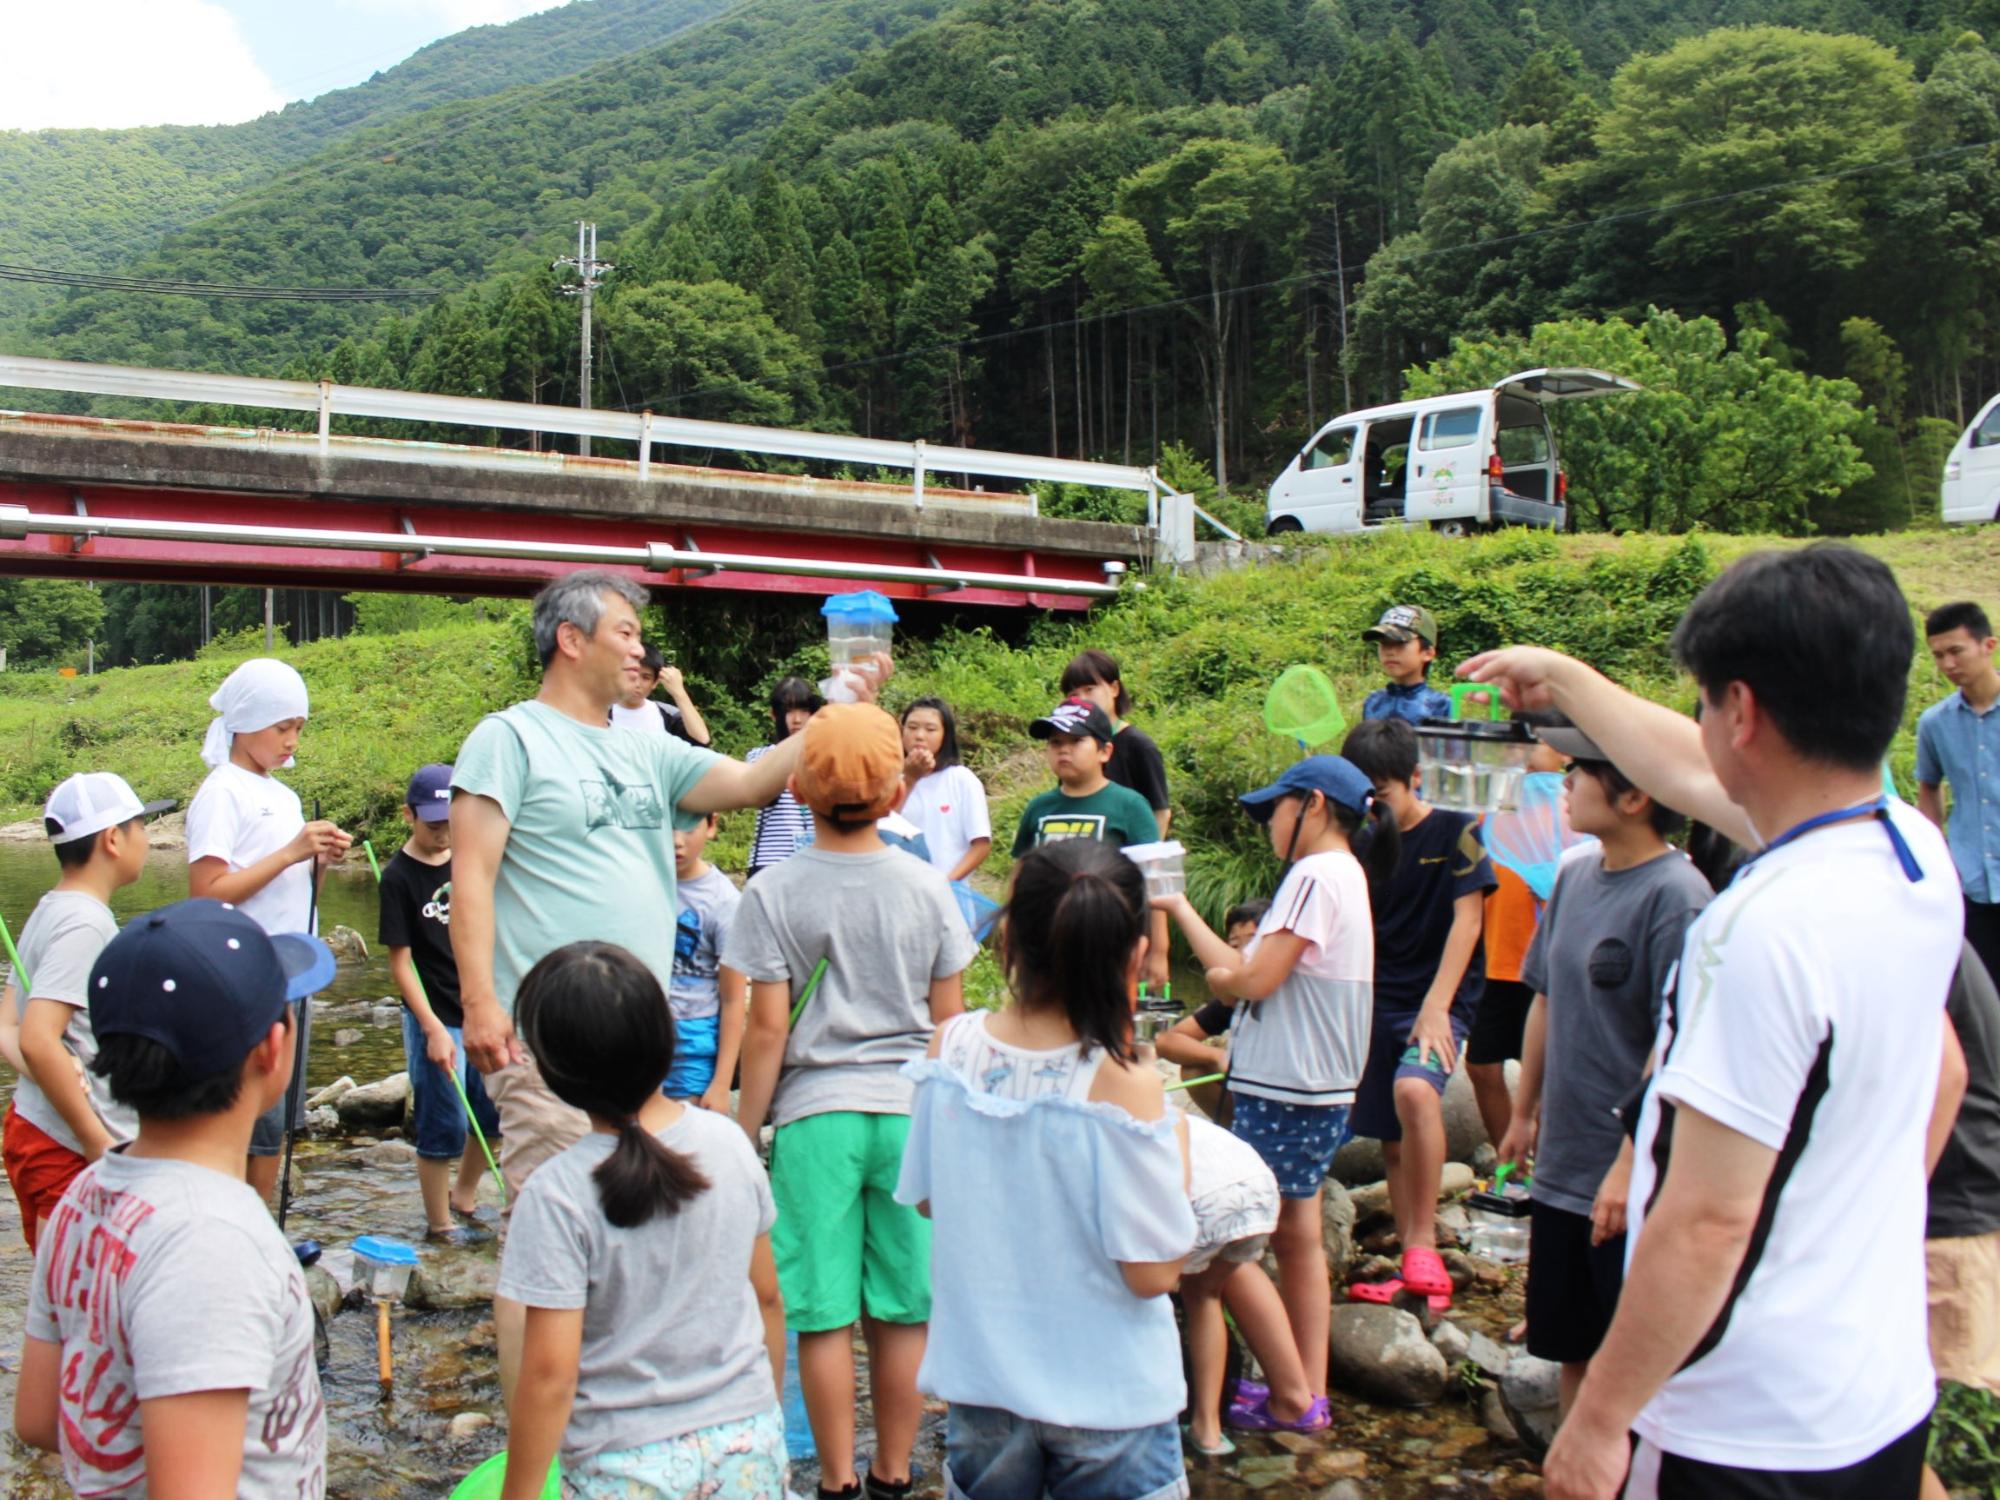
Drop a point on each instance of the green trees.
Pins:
(709, 350)
(1723, 436)
(47, 620)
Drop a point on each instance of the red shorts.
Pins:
(40, 1168)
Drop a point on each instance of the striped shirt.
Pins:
(782, 827)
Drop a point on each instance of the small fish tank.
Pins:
(389, 1264)
(1499, 1222)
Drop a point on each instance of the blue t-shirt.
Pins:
(1442, 859)
(1956, 743)
(708, 904)
(590, 853)
(1413, 704)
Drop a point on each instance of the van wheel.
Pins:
(1452, 528)
(1283, 526)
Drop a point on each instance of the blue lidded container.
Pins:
(390, 1264)
(857, 625)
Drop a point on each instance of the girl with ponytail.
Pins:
(1055, 1178)
(642, 1255)
(1303, 995)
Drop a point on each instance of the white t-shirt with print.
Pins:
(1307, 1041)
(1807, 1014)
(239, 818)
(950, 807)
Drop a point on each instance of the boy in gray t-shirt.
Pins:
(1600, 962)
(868, 946)
(169, 1334)
(62, 1116)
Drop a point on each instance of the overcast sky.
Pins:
(207, 62)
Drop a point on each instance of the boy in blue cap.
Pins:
(170, 1339)
(415, 926)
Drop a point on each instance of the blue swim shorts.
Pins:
(1297, 1141)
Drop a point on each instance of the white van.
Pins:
(1461, 463)
(1971, 488)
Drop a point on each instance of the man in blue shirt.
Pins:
(1406, 641)
(1958, 740)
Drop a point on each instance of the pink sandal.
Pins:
(1424, 1272)
(1382, 1292)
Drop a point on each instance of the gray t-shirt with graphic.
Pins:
(162, 1278)
(672, 1336)
(1607, 944)
(887, 925)
(59, 944)
(708, 904)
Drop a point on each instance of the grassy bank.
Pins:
(1198, 656)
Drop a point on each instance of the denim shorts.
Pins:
(437, 1118)
(267, 1136)
(695, 1041)
(992, 1454)
(1297, 1141)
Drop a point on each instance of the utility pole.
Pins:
(589, 271)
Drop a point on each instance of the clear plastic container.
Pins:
(389, 1264)
(1163, 864)
(857, 626)
(1499, 1223)
(1470, 766)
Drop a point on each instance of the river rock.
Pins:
(1371, 1201)
(386, 1014)
(1456, 1178)
(325, 1292)
(331, 1092)
(1451, 1341)
(390, 1154)
(1336, 1217)
(375, 1104)
(1493, 1415)
(347, 1036)
(1381, 1353)
(462, 1426)
(349, 946)
(1531, 1389)
(1459, 1266)
(447, 1281)
(322, 1121)
(1491, 1356)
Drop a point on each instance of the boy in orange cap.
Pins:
(877, 940)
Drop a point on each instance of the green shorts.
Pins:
(842, 1242)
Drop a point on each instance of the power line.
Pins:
(155, 286)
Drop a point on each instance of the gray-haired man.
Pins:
(562, 829)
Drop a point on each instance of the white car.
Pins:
(1971, 488)
(1459, 463)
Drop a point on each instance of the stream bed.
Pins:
(401, 1444)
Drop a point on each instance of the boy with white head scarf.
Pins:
(248, 841)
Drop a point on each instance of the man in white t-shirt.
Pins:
(638, 709)
(1771, 1339)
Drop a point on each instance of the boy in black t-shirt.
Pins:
(416, 929)
(1430, 969)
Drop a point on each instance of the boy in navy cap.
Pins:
(1085, 803)
(415, 926)
(170, 1340)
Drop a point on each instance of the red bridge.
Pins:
(109, 499)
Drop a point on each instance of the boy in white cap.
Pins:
(60, 1121)
(248, 841)
(169, 1346)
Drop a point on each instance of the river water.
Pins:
(399, 1444)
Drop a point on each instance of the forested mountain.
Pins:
(92, 200)
(1105, 226)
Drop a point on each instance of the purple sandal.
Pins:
(1256, 1417)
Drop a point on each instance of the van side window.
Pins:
(1987, 434)
(1332, 451)
(1450, 429)
(1524, 445)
